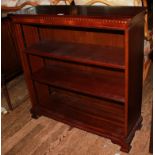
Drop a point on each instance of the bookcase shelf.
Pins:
(105, 85)
(66, 105)
(84, 68)
(97, 55)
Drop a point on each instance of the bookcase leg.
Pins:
(125, 148)
(139, 126)
(34, 114)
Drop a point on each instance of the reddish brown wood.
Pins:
(82, 16)
(11, 65)
(106, 85)
(84, 68)
(83, 35)
(73, 52)
(66, 104)
(135, 70)
(33, 37)
(36, 63)
(27, 72)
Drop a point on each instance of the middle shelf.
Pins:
(96, 55)
(105, 84)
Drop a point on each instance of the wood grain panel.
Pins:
(35, 63)
(95, 55)
(33, 36)
(65, 104)
(25, 63)
(100, 85)
(11, 65)
(135, 73)
(83, 35)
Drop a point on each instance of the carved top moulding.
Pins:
(80, 16)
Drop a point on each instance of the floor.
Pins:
(22, 135)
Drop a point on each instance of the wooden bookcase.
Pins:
(83, 66)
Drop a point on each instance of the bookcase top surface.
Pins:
(80, 16)
(97, 11)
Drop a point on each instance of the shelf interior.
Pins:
(104, 84)
(79, 109)
(97, 55)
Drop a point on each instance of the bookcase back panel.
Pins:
(77, 35)
(33, 36)
(85, 36)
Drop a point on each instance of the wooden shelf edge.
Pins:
(41, 49)
(41, 77)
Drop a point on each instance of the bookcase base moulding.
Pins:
(124, 142)
(83, 66)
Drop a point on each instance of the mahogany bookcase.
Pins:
(83, 66)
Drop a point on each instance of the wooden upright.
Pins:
(83, 66)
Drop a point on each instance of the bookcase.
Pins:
(83, 66)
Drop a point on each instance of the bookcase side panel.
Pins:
(25, 64)
(135, 70)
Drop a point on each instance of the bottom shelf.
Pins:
(82, 111)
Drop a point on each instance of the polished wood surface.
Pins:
(100, 11)
(11, 65)
(135, 70)
(81, 16)
(104, 56)
(104, 116)
(75, 77)
(89, 83)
